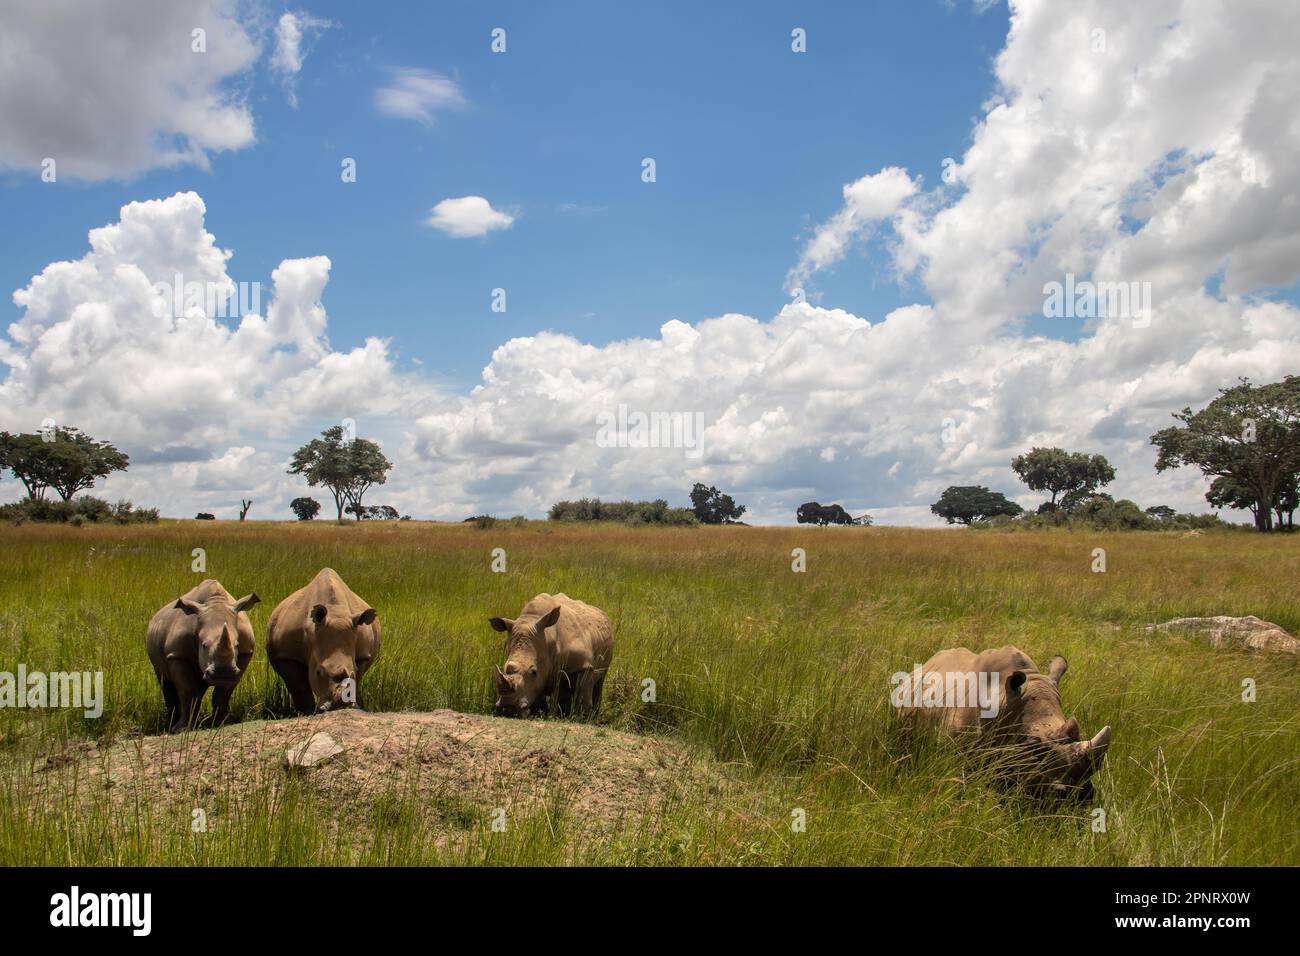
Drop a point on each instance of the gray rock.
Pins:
(318, 749)
(1250, 632)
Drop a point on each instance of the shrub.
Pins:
(1101, 513)
(78, 511)
(305, 509)
(632, 513)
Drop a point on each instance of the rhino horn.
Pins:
(225, 650)
(1098, 745)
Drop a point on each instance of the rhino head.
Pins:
(521, 684)
(217, 635)
(1043, 749)
(333, 667)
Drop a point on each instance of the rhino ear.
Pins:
(365, 617)
(1015, 683)
(501, 623)
(247, 601)
(549, 620)
(189, 607)
(318, 613)
(1056, 670)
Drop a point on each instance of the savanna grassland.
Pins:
(771, 694)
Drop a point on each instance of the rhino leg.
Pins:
(564, 694)
(171, 701)
(294, 675)
(221, 704)
(585, 682)
(189, 689)
(221, 695)
(597, 689)
(187, 715)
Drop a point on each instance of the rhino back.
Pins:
(287, 633)
(584, 636)
(1004, 660)
(207, 590)
(168, 626)
(1001, 661)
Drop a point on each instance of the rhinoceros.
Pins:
(202, 639)
(556, 647)
(1020, 720)
(321, 640)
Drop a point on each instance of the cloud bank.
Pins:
(1161, 150)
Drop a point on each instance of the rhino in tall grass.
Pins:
(321, 640)
(1018, 722)
(202, 639)
(557, 647)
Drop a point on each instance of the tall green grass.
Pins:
(781, 676)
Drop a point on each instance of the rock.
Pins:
(1247, 632)
(318, 749)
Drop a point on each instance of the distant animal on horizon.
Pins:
(321, 640)
(202, 639)
(1022, 723)
(557, 647)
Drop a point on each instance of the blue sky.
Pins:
(1149, 144)
(750, 140)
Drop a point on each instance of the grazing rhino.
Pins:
(321, 640)
(202, 639)
(555, 647)
(1019, 717)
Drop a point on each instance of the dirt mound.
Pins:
(465, 767)
(1248, 632)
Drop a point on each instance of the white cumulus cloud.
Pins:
(468, 216)
(1163, 154)
(867, 201)
(112, 90)
(99, 345)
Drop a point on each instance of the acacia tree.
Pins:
(348, 469)
(1074, 474)
(65, 459)
(711, 506)
(970, 503)
(27, 457)
(1248, 441)
(1161, 512)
